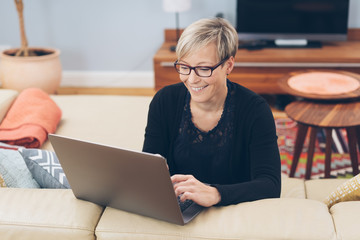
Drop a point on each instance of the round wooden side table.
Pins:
(315, 115)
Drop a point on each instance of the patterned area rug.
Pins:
(340, 161)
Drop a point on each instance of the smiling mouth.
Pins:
(198, 89)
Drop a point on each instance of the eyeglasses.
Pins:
(201, 71)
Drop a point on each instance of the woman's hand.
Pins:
(190, 188)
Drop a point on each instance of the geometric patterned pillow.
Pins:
(14, 170)
(45, 168)
(348, 191)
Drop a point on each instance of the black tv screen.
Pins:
(292, 19)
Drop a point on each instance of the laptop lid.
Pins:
(133, 181)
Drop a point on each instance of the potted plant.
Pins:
(26, 66)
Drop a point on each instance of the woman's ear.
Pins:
(230, 65)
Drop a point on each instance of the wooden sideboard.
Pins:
(259, 70)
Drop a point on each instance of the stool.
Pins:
(329, 116)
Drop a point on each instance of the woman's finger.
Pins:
(180, 178)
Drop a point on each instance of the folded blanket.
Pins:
(29, 120)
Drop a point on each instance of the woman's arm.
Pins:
(263, 155)
(154, 141)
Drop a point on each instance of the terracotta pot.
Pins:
(42, 71)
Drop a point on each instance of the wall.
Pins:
(108, 35)
(97, 35)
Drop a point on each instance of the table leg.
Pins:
(328, 143)
(311, 149)
(351, 134)
(358, 136)
(299, 143)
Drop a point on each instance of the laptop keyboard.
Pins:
(184, 205)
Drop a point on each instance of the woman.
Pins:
(218, 137)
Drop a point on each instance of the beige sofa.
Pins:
(120, 120)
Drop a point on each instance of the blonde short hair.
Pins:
(206, 31)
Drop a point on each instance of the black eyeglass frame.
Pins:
(197, 67)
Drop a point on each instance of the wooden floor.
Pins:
(106, 91)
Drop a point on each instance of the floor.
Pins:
(107, 91)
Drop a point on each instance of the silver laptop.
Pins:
(129, 180)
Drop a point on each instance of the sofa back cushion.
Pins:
(7, 96)
(292, 187)
(107, 119)
(320, 189)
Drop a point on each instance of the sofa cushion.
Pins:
(348, 191)
(7, 96)
(14, 170)
(346, 219)
(319, 189)
(286, 218)
(46, 214)
(45, 168)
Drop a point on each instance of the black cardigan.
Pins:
(255, 159)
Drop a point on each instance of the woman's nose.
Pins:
(192, 77)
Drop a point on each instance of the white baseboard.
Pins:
(4, 47)
(119, 79)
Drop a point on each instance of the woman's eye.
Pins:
(204, 69)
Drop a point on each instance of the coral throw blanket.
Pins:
(29, 120)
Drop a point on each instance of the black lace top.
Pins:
(205, 154)
(240, 156)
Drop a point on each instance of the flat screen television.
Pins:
(292, 20)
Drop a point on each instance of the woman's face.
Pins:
(206, 89)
